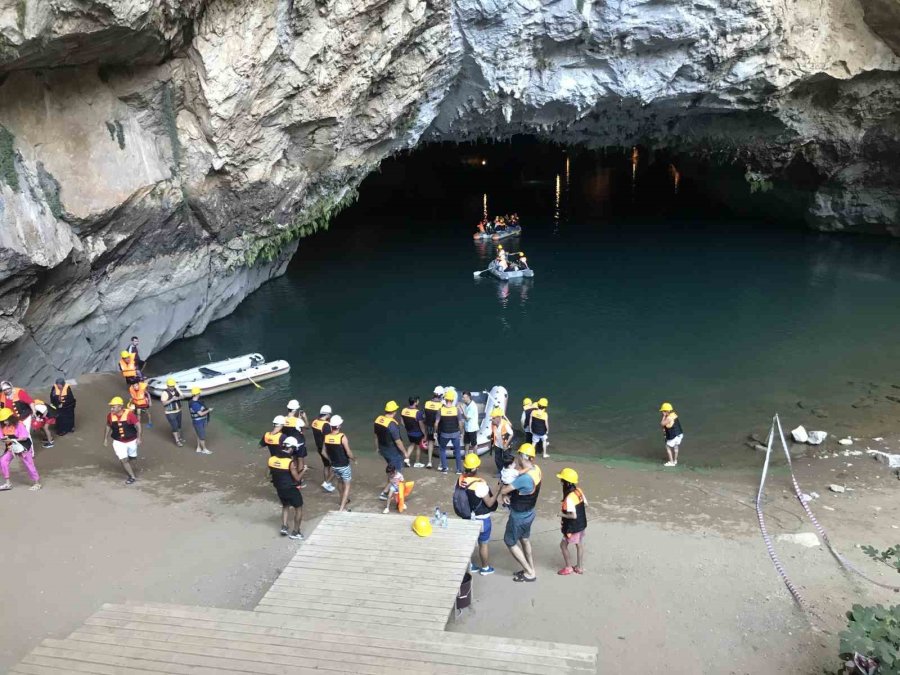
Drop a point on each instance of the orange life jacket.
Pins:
(139, 397)
(128, 366)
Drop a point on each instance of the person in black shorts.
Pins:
(286, 479)
(321, 427)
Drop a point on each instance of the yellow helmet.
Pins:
(421, 526)
(500, 247)
(543, 402)
(171, 382)
(195, 391)
(526, 449)
(5, 414)
(496, 412)
(116, 400)
(526, 401)
(568, 475)
(666, 407)
(471, 461)
(125, 354)
(450, 395)
(391, 406)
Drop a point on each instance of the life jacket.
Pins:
(520, 502)
(292, 428)
(498, 432)
(449, 419)
(128, 366)
(173, 404)
(570, 526)
(526, 415)
(280, 470)
(139, 397)
(411, 421)
(538, 422)
(334, 448)
(431, 411)
(465, 502)
(272, 440)
(675, 430)
(62, 394)
(318, 428)
(14, 402)
(382, 431)
(122, 430)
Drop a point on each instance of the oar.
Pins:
(478, 274)
(258, 386)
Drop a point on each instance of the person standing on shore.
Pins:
(18, 400)
(125, 429)
(470, 410)
(432, 408)
(387, 436)
(414, 422)
(473, 499)
(133, 348)
(16, 442)
(294, 422)
(63, 399)
(200, 419)
(540, 427)
(41, 421)
(321, 427)
(527, 408)
(128, 367)
(450, 420)
(140, 399)
(286, 478)
(171, 398)
(521, 495)
(273, 439)
(671, 427)
(501, 434)
(574, 521)
(337, 447)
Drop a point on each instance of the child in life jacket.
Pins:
(396, 488)
(573, 514)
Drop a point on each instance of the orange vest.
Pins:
(138, 392)
(499, 431)
(128, 366)
(62, 393)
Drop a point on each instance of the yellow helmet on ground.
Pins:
(391, 406)
(116, 400)
(5, 414)
(496, 412)
(125, 354)
(450, 395)
(171, 382)
(666, 407)
(195, 391)
(526, 401)
(568, 475)
(421, 526)
(471, 461)
(543, 402)
(526, 449)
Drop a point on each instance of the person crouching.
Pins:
(574, 521)
(286, 478)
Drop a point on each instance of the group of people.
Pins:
(498, 224)
(510, 262)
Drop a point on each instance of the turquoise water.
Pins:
(636, 300)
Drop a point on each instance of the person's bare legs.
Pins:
(579, 550)
(516, 551)
(564, 548)
(47, 433)
(127, 465)
(529, 556)
(285, 516)
(675, 453)
(345, 494)
(669, 453)
(298, 518)
(430, 451)
(484, 554)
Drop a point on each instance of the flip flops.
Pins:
(565, 571)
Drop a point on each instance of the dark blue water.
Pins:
(730, 320)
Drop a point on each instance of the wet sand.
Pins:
(678, 579)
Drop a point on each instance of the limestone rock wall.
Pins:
(160, 159)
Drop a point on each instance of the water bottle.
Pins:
(443, 520)
(437, 516)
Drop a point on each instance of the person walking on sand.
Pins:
(387, 436)
(671, 427)
(124, 428)
(470, 410)
(337, 447)
(286, 478)
(294, 423)
(540, 427)
(16, 442)
(501, 434)
(521, 496)
(414, 422)
(18, 400)
(63, 399)
(432, 407)
(450, 420)
(200, 419)
(140, 399)
(128, 366)
(171, 398)
(321, 427)
(474, 500)
(573, 515)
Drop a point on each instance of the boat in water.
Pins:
(220, 376)
(486, 401)
(505, 275)
(497, 235)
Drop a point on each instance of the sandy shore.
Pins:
(678, 579)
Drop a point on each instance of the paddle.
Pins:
(258, 386)
(478, 274)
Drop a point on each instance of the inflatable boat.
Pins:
(497, 236)
(486, 401)
(219, 376)
(495, 271)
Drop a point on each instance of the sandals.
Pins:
(565, 571)
(524, 579)
(578, 570)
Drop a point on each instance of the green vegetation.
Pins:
(311, 221)
(50, 187)
(871, 642)
(757, 181)
(20, 14)
(168, 109)
(8, 159)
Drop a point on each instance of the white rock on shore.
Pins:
(807, 539)
(799, 434)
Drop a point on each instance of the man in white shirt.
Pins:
(470, 408)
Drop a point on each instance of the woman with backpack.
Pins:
(474, 500)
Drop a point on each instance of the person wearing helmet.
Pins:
(528, 407)
(124, 428)
(286, 477)
(171, 398)
(41, 421)
(450, 421)
(387, 438)
(294, 423)
(321, 428)
(18, 400)
(501, 434)
(140, 399)
(671, 427)
(274, 439)
(480, 501)
(521, 496)
(501, 260)
(199, 419)
(337, 447)
(430, 412)
(128, 366)
(414, 423)
(15, 441)
(540, 427)
(573, 515)
(63, 399)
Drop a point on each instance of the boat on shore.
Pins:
(486, 401)
(219, 376)
(505, 275)
(498, 235)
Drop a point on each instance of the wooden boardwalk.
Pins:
(362, 595)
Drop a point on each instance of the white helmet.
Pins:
(337, 421)
(279, 419)
(439, 390)
(325, 410)
(293, 404)
(290, 442)
(41, 408)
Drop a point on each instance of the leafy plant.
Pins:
(758, 182)
(889, 556)
(8, 159)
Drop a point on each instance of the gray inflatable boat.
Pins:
(495, 271)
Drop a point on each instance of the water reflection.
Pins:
(556, 204)
(635, 158)
(515, 290)
(676, 176)
(484, 206)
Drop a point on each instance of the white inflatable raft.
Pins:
(219, 376)
(486, 401)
